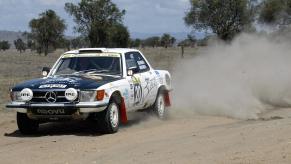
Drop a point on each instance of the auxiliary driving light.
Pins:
(26, 94)
(71, 94)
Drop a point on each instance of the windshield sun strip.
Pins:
(104, 54)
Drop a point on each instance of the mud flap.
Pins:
(167, 99)
(123, 111)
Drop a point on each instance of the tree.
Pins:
(226, 18)
(46, 31)
(135, 43)
(4, 45)
(78, 42)
(152, 41)
(166, 40)
(189, 42)
(275, 12)
(99, 21)
(20, 45)
(64, 44)
(119, 36)
(30, 44)
(173, 41)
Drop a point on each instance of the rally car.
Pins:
(94, 83)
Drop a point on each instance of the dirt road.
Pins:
(181, 139)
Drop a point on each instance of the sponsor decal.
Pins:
(157, 73)
(135, 80)
(160, 79)
(141, 62)
(126, 94)
(92, 55)
(150, 85)
(71, 80)
(53, 86)
(50, 111)
(142, 67)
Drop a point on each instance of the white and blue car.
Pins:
(100, 84)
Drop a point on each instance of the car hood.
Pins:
(68, 81)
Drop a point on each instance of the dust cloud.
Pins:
(241, 80)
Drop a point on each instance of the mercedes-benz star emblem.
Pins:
(51, 97)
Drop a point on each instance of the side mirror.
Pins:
(45, 71)
(131, 71)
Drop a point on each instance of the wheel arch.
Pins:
(117, 97)
(166, 93)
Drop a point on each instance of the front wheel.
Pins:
(26, 125)
(160, 107)
(108, 120)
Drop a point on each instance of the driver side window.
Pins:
(135, 59)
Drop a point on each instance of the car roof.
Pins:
(105, 50)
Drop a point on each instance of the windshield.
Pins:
(90, 65)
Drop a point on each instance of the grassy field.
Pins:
(16, 67)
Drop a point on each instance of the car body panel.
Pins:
(138, 91)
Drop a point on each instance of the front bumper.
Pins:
(84, 107)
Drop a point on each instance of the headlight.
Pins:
(15, 96)
(26, 95)
(87, 96)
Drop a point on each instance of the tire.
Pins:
(159, 107)
(109, 119)
(26, 125)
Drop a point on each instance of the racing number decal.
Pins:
(137, 90)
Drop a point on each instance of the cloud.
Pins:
(16, 14)
(50, 2)
(54, 2)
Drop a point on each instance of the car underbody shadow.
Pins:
(80, 128)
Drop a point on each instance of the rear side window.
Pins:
(135, 59)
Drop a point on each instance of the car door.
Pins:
(141, 82)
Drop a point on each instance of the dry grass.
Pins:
(16, 67)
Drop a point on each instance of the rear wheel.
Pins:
(160, 107)
(26, 125)
(108, 120)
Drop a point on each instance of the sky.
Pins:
(142, 16)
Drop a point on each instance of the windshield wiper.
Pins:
(99, 71)
(103, 72)
(84, 71)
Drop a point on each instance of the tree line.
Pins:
(227, 18)
(100, 24)
(166, 40)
